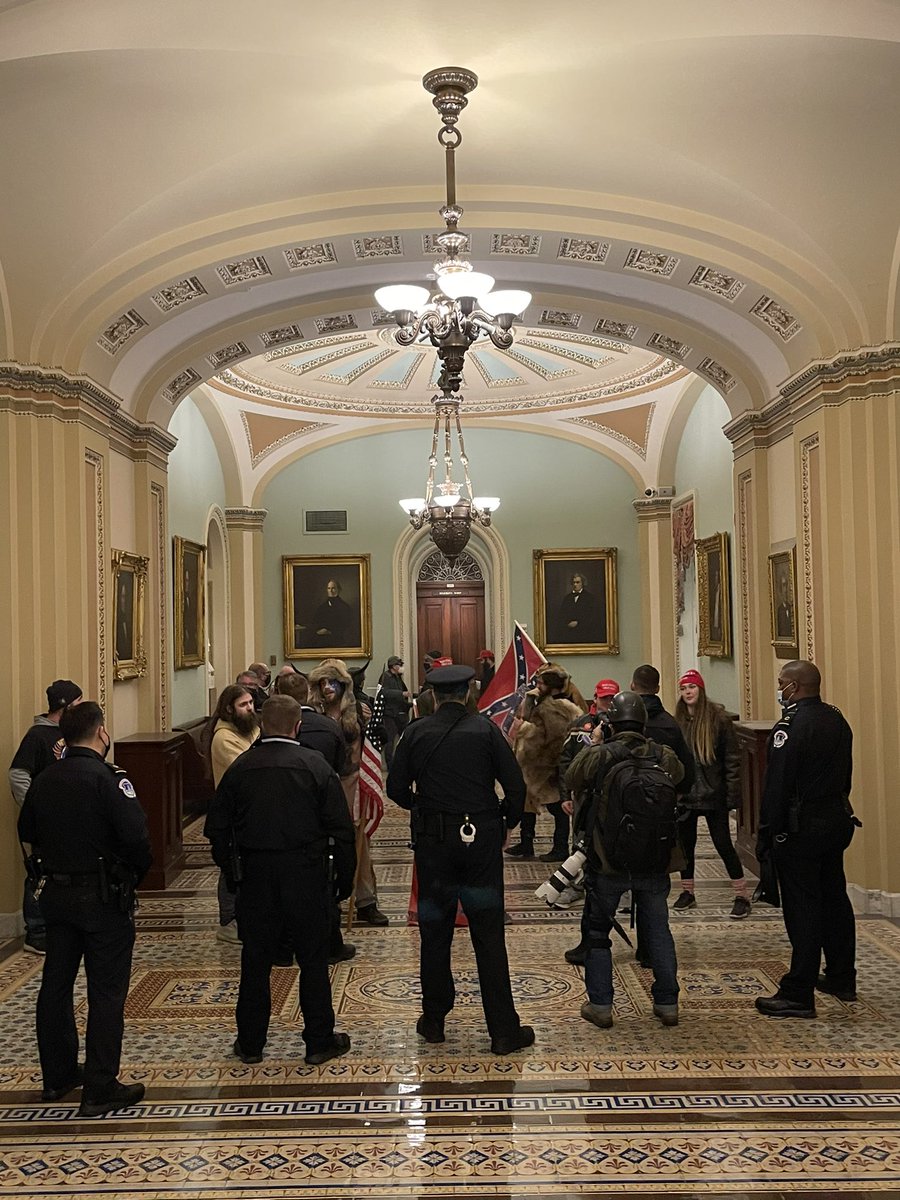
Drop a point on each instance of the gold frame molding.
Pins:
(321, 566)
(181, 547)
(785, 647)
(606, 556)
(714, 642)
(124, 563)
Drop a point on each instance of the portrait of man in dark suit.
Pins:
(575, 599)
(326, 606)
(125, 616)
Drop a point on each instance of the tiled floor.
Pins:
(729, 1103)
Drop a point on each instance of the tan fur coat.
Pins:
(539, 742)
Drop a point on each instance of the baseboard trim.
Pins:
(11, 924)
(874, 902)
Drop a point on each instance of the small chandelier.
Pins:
(462, 309)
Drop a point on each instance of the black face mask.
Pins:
(107, 747)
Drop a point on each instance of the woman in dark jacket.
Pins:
(716, 789)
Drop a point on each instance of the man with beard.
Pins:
(234, 727)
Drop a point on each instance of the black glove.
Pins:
(764, 842)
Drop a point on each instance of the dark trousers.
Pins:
(35, 925)
(560, 827)
(818, 915)
(449, 874)
(284, 896)
(80, 925)
(719, 831)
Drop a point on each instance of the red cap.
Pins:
(692, 677)
(446, 661)
(486, 654)
(607, 687)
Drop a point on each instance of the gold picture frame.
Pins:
(714, 595)
(129, 585)
(570, 619)
(783, 604)
(327, 606)
(190, 603)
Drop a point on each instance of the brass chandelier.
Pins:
(461, 310)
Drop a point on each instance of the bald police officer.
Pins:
(84, 823)
(459, 827)
(806, 823)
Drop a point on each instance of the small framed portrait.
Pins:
(129, 578)
(190, 603)
(714, 595)
(783, 603)
(327, 606)
(575, 601)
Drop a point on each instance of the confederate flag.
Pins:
(504, 693)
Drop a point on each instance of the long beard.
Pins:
(245, 725)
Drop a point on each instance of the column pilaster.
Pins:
(245, 553)
(658, 589)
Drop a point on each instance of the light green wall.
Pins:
(554, 494)
(196, 483)
(704, 464)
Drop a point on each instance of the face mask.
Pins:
(107, 747)
(782, 699)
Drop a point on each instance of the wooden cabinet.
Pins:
(752, 737)
(154, 765)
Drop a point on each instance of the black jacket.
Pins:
(454, 758)
(717, 785)
(81, 809)
(810, 765)
(321, 733)
(663, 729)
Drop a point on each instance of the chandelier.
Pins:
(463, 308)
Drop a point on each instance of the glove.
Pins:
(764, 842)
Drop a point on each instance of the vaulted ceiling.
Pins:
(212, 190)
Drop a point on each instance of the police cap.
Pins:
(449, 679)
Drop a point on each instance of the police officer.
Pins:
(806, 823)
(458, 830)
(84, 823)
(278, 804)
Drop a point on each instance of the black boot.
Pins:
(559, 851)
(524, 848)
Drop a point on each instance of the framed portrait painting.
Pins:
(327, 606)
(129, 578)
(714, 595)
(783, 603)
(575, 601)
(190, 603)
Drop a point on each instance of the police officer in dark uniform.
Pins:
(806, 823)
(88, 832)
(459, 829)
(277, 805)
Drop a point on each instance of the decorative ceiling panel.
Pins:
(630, 426)
(266, 434)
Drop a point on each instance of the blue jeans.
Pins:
(654, 936)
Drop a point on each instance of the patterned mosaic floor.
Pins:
(728, 1103)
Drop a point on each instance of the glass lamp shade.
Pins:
(398, 297)
(450, 501)
(487, 503)
(413, 506)
(465, 283)
(505, 301)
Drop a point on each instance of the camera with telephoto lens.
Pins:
(568, 874)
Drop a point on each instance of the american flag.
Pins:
(371, 781)
(504, 693)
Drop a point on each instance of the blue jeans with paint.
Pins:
(650, 895)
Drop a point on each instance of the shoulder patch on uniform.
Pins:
(126, 786)
(779, 739)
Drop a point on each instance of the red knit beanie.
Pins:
(692, 677)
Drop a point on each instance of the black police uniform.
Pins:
(807, 822)
(454, 758)
(280, 803)
(86, 825)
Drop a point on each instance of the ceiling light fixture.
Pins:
(462, 309)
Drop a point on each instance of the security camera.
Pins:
(649, 491)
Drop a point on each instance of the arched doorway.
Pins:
(450, 607)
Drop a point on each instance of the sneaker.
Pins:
(228, 933)
(431, 1029)
(340, 1044)
(521, 849)
(598, 1014)
(346, 952)
(516, 1041)
(567, 897)
(667, 1013)
(244, 1056)
(116, 1097)
(685, 901)
(740, 908)
(36, 944)
(372, 915)
(847, 994)
(51, 1095)
(576, 955)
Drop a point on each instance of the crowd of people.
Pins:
(624, 782)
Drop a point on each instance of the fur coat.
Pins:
(539, 742)
(347, 718)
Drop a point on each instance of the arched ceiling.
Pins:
(191, 186)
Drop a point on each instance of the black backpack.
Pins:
(634, 814)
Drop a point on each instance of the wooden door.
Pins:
(450, 618)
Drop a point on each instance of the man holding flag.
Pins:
(502, 697)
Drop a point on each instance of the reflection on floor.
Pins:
(729, 1103)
